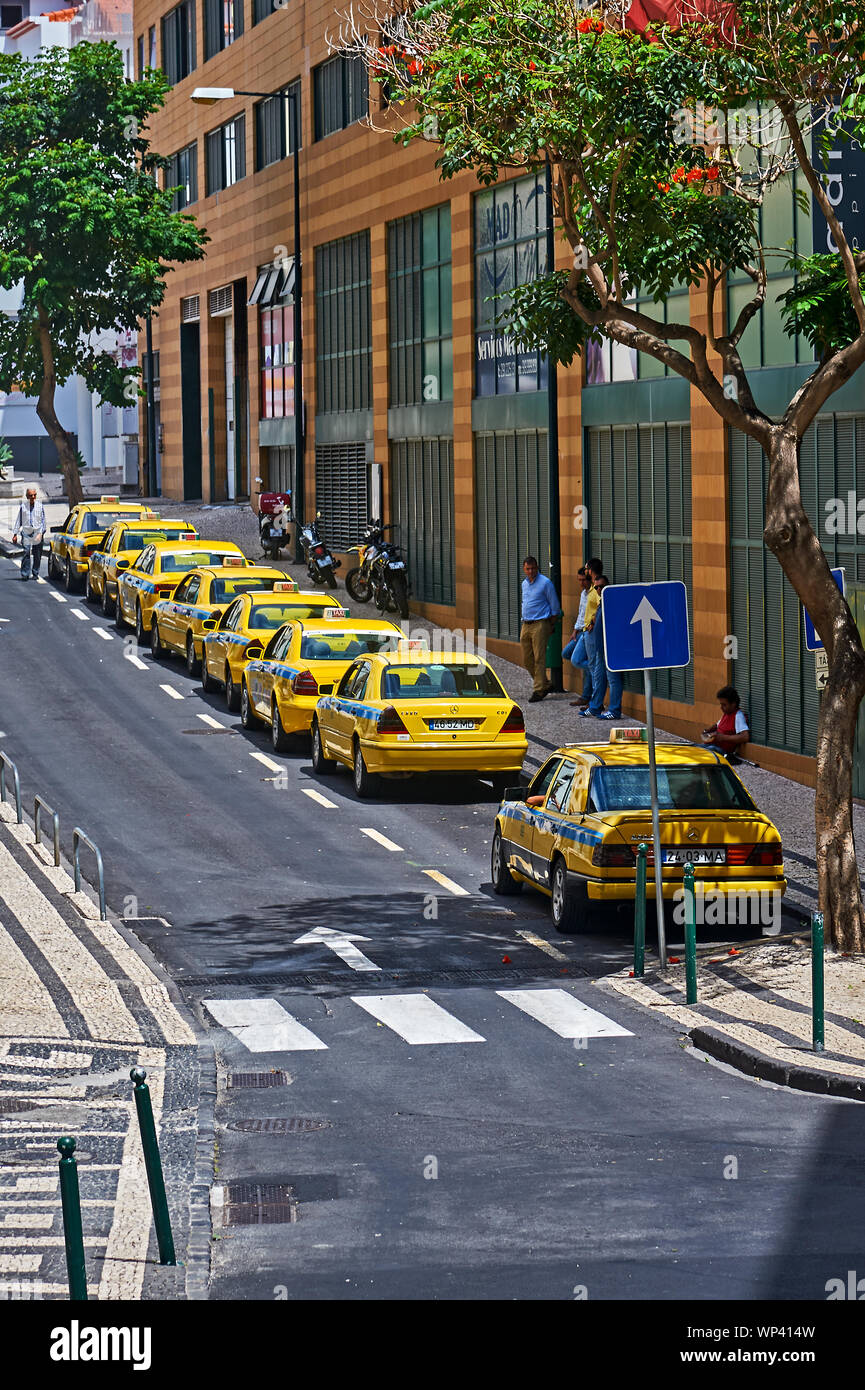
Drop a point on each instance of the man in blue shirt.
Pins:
(541, 608)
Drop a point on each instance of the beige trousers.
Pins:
(533, 640)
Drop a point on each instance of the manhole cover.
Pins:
(292, 1124)
(204, 732)
(259, 1204)
(256, 1080)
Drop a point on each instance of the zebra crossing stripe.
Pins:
(559, 1011)
(416, 1018)
(263, 1025)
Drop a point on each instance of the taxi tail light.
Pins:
(304, 683)
(515, 723)
(754, 854)
(164, 591)
(613, 856)
(389, 722)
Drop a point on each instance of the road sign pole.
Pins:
(656, 820)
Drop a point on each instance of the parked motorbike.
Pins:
(320, 564)
(381, 574)
(274, 514)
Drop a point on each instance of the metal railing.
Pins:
(40, 804)
(77, 836)
(16, 783)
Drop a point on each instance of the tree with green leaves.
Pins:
(84, 227)
(663, 141)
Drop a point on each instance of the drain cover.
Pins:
(256, 1080)
(208, 731)
(292, 1124)
(259, 1204)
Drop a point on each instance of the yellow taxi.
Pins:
(180, 623)
(81, 533)
(303, 660)
(408, 710)
(123, 541)
(574, 831)
(253, 619)
(156, 573)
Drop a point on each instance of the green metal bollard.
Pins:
(818, 1020)
(153, 1164)
(72, 1231)
(690, 937)
(640, 913)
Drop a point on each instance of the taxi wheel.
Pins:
(52, 572)
(282, 742)
(320, 763)
(366, 783)
(568, 906)
(207, 681)
(119, 619)
(504, 882)
(108, 605)
(193, 665)
(248, 718)
(70, 579)
(140, 630)
(89, 596)
(157, 650)
(232, 694)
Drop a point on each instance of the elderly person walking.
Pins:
(31, 526)
(541, 607)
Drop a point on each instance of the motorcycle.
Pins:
(381, 574)
(274, 514)
(320, 564)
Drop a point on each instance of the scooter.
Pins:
(320, 564)
(274, 514)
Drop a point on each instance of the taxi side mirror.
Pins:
(209, 624)
(56, 529)
(514, 794)
(253, 651)
(123, 564)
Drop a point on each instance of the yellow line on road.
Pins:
(542, 945)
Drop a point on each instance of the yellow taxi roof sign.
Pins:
(288, 586)
(107, 497)
(331, 613)
(229, 560)
(639, 735)
(151, 515)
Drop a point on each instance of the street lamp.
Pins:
(209, 96)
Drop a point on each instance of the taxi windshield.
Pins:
(695, 787)
(137, 540)
(344, 646)
(184, 560)
(223, 590)
(432, 681)
(269, 616)
(100, 521)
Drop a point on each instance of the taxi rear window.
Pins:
(100, 521)
(695, 787)
(185, 560)
(137, 540)
(432, 681)
(270, 616)
(225, 589)
(345, 646)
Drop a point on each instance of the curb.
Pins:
(198, 1248)
(799, 1078)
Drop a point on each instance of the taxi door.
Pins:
(519, 823)
(98, 561)
(178, 611)
(341, 715)
(216, 644)
(261, 675)
(550, 820)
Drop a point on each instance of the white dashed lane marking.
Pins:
(260, 757)
(169, 690)
(136, 661)
(317, 796)
(82, 617)
(58, 597)
(380, 839)
(104, 634)
(448, 883)
(213, 723)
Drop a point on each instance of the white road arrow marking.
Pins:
(645, 616)
(341, 944)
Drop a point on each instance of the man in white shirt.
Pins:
(30, 525)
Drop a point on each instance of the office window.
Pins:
(140, 55)
(341, 94)
(178, 42)
(510, 250)
(276, 133)
(225, 158)
(262, 8)
(223, 23)
(151, 46)
(10, 15)
(182, 175)
(343, 325)
(419, 307)
(609, 361)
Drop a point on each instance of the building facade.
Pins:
(417, 405)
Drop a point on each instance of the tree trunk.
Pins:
(48, 415)
(790, 537)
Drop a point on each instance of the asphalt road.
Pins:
(432, 1137)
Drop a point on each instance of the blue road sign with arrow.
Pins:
(812, 641)
(645, 626)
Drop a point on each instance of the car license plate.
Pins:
(695, 856)
(446, 725)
